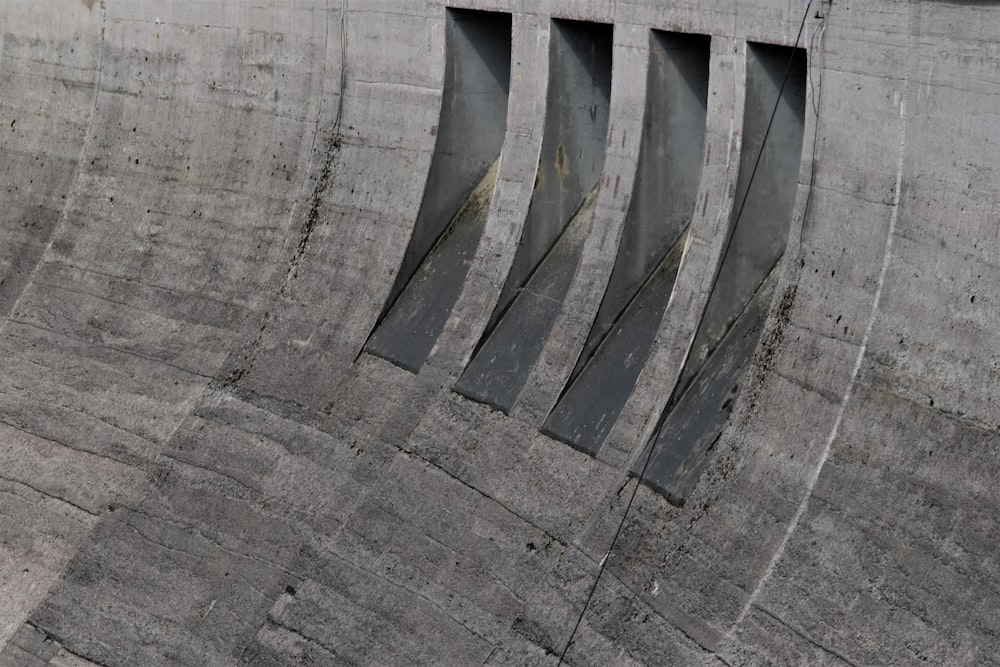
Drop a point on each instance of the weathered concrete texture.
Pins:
(205, 207)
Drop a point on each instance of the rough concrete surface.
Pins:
(204, 209)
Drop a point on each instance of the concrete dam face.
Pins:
(398, 332)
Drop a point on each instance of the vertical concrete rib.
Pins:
(757, 458)
(559, 217)
(319, 510)
(511, 196)
(851, 389)
(702, 254)
(765, 192)
(652, 242)
(629, 65)
(742, 290)
(46, 127)
(51, 83)
(471, 129)
(573, 147)
(367, 181)
(459, 188)
(666, 183)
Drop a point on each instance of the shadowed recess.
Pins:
(206, 205)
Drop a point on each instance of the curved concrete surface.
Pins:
(205, 205)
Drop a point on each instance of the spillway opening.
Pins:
(459, 188)
(734, 317)
(558, 219)
(652, 241)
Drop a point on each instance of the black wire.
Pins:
(729, 240)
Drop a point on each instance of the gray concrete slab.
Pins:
(204, 209)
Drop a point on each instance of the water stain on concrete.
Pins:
(562, 161)
(89, 4)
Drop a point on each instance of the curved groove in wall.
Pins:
(331, 508)
(40, 184)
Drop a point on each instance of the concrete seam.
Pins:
(812, 642)
(106, 346)
(58, 443)
(195, 529)
(862, 351)
(60, 642)
(484, 494)
(271, 619)
(414, 591)
(47, 494)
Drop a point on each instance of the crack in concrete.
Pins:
(195, 530)
(59, 443)
(413, 591)
(51, 495)
(801, 635)
(315, 642)
(485, 495)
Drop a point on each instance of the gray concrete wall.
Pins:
(197, 467)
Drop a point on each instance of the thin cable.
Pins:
(763, 144)
(649, 456)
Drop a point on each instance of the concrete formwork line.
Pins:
(716, 199)
(365, 170)
(75, 186)
(97, 145)
(242, 362)
(18, 610)
(649, 455)
(660, 211)
(843, 516)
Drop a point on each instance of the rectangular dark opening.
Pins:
(649, 253)
(459, 188)
(737, 307)
(569, 168)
